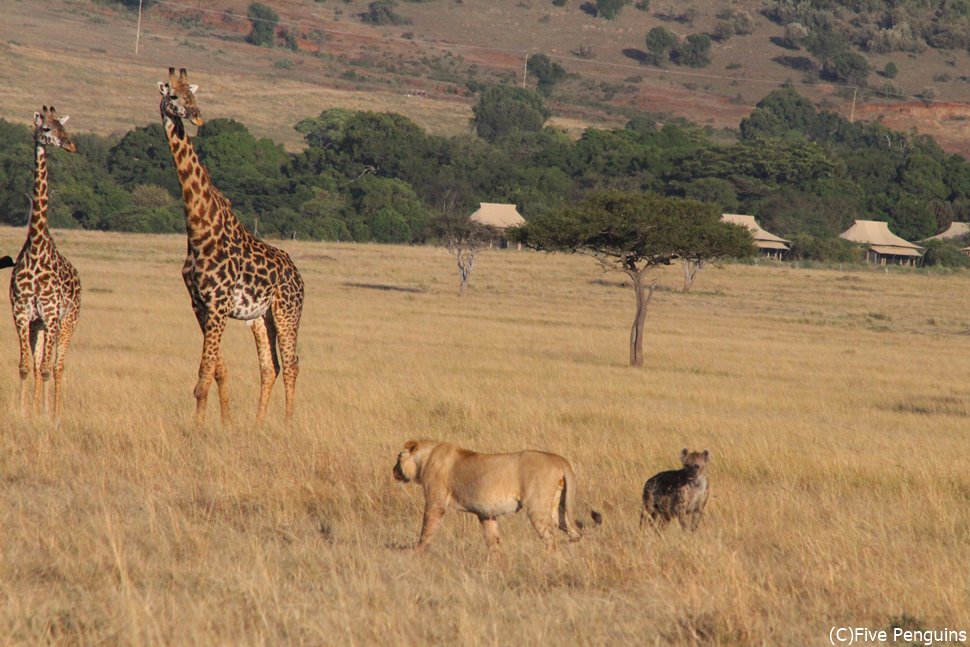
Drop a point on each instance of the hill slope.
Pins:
(80, 54)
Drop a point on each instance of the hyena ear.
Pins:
(707, 455)
(683, 454)
(411, 445)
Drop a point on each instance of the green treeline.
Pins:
(367, 176)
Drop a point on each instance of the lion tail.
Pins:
(567, 507)
(6, 261)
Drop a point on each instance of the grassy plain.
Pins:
(835, 403)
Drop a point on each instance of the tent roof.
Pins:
(762, 238)
(497, 215)
(876, 234)
(955, 230)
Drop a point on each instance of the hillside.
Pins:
(80, 54)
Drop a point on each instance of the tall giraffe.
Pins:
(45, 290)
(228, 272)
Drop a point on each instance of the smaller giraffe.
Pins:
(45, 290)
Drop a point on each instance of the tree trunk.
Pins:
(466, 260)
(636, 333)
(691, 267)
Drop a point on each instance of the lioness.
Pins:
(490, 485)
(677, 493)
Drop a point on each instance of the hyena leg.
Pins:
(695, 518)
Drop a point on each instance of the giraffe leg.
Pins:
(265, 334)
(222, 383)
(286, 329)
(63, 341)
(38, 339)
(24, 333)
(51, 340)
(213, 329)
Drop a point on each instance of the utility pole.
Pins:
(138, 30)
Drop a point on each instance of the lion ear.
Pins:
(411, 445)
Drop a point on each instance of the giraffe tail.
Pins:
(6, 261)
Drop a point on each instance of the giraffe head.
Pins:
(49, 130)
(178, 98)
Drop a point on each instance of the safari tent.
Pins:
(497, 215)
(882, 246)
(767, 243)
(955, 230)
(500, 216)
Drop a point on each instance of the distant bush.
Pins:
(660, 41)
(134, 4)
(890, 70)
(548, 72)
(944, 253)
(610, 9)
(382, 13)
(695, 51)
(264, 21)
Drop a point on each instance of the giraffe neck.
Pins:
(37, 228)
(203, 216)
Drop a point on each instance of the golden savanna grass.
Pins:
(835, 403)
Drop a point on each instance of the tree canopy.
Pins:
(369, 176)
(634, 232)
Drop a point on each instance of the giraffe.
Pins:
(228, 272)
(45, 290)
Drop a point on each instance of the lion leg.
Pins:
(544, 526)
(490, 529)
(433, 512)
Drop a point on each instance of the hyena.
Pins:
(677, 493)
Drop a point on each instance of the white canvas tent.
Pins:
(498, 215)
(955, 230)
(767, 243)
(882, 246)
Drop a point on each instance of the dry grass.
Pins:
(835, 405)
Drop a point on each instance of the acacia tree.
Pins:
(633, 233)
(708, 239)
(464, 239)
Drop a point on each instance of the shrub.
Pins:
(264, 21)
